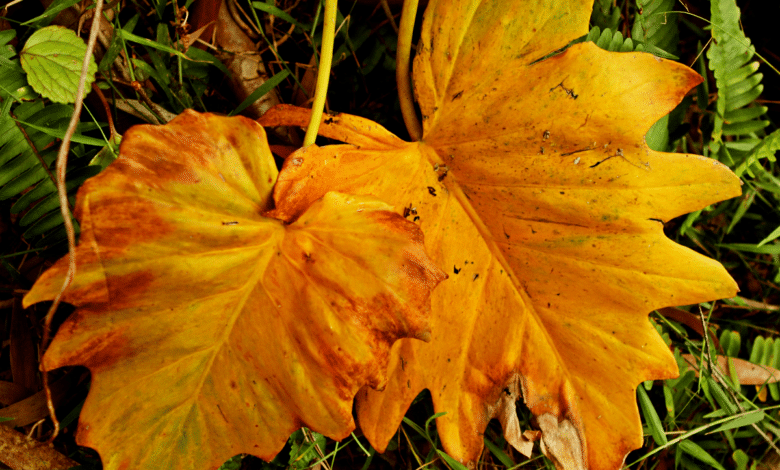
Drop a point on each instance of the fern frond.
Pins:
(609, 40)
(13, 84)
(28, 151)
(656, 26)
(605, 15)
(765, 149)
(614, 41)
(739, 85)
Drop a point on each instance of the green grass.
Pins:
(695, 421)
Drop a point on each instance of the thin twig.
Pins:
(62, 163)
(389, 14)
(309, 438)
(9, 5)
(107, 109)
(234, 8)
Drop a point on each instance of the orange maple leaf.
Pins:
(537, 192)
(212, 330)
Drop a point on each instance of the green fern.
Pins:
(655, 26)
(766, 352)
(765, 149)
(739, 84)
(13, 84)
(614, 41)
(28, 151)
(605, 15)
(611, 41)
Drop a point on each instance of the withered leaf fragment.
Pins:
(212, 329)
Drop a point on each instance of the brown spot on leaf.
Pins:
(102, 352)
(126, 289)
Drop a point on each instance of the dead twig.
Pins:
(21, 452)
(62, 163)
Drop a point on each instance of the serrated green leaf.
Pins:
(52, 58)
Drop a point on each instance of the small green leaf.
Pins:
(52, 58)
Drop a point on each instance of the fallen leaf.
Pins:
(747, 372)
(690, 320)
(539, 196)
(211, 329)
(33, 408)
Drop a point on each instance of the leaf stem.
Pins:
(323, 73)
(402, 75)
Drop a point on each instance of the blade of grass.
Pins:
(269, 85)
(498, 453)
(279, 13)
(695, 451)
(737, 422)
(651, 417)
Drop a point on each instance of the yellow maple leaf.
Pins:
(539, 196)
(212, 330)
